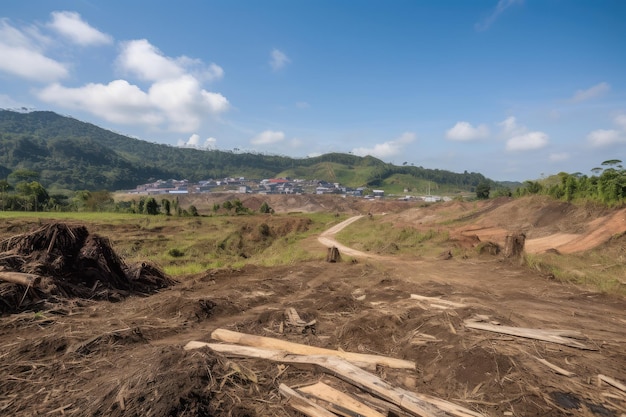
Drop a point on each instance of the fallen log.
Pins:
(228, 336)
(27, 280)
(418, 404)
(340, 403)
(302, 404)
(562, 337)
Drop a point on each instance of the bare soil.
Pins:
(126, 358)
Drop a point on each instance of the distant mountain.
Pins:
(73, 155)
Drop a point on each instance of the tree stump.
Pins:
(333, 255)
(514, 245)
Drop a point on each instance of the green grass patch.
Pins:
(374, 235)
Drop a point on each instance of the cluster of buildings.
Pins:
(266, 186)
(245, 186)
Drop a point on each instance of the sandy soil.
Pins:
(126, 358)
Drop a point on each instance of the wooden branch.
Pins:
(418, 404)
(555, 368)
(612, 381)
(340, 403)
(438, 302)
(27, 280)
(562, 337)
(302, 404)
(297, 348)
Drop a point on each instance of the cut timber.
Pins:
(562, 337)
(302, 404)
(27, 280)
(418, 404)
(228, 336)
(341, 403)
(438, 302)
(612, 381)
(555, 368)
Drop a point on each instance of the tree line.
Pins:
(607, 186)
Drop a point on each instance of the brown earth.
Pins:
(126, 358)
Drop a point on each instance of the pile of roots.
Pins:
(59, 262)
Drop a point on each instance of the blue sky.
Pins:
(514, 89)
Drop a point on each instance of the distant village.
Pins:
(269, 186)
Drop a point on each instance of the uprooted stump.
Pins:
(60, 261)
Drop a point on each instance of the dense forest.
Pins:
(72, 155)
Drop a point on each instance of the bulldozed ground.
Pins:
(85, 356)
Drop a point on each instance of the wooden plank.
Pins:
(562, 337)
(438, 302)
(417, 404)
(341, 403)
(612, 381)
(250, 351)
(555, 368)
(302, 404)
(228, 336)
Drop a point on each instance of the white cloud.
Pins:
(620, 120)
(302, 105)
(117, 102)
(194, 142)
(73, 27)
(528, 141)
(22, 55)
(387, 149)
(142, 59)
(592, 92)
(464, 132)
(557, 157)
(500, 7)
(145, 61)
(600, 138)
(268, 137)
(519, 138)
(278, 59)
(175, 97)
(606, 137)
(180, 103)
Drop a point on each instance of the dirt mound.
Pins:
(60, 261)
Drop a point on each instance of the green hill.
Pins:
(73, 155)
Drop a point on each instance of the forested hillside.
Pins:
(74, 155)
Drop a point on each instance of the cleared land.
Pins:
(126, 358)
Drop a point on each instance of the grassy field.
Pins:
(188, 245)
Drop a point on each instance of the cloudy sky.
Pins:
(514, 89)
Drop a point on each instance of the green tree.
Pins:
(193, 211)
(152, 207)
(265, 208)
(482, 190)
(165, 203)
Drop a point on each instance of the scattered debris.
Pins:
(555, 368)
(292, 319)
(611, 381)
(60, 261)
